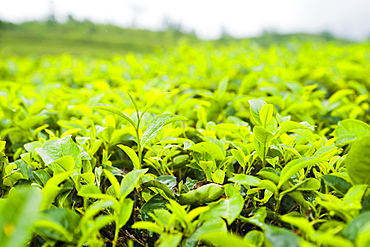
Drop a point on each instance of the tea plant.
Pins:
(193, 146)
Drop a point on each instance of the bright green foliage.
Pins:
(229, 146)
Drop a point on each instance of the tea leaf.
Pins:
(294, 166)
(358, 161)
(156, 124)
(350, 130)
(133, 156)
(115, 111)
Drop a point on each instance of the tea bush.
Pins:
(195, 146)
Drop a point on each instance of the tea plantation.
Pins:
(192, 146)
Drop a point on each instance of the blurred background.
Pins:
(113, 27)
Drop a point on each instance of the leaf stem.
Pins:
(115, 240)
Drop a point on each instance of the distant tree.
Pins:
(225, 35)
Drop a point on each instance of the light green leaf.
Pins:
(18, 213)
(288, 126)
(55, 149)
(255, 237)
(265, 114)
(245, 179)
(66, 162)
(255, 107)
(93, 191)
(208, 147)
(294, 166)
(159, 185)
(170, 240)
(152, 101)
(126, 206)
(130, 181)
(225, 239)
(156, 124)
(133, 156)
(228, 209)
(52, 189)
(350, 130)
(300, 222)
(204, 194)
(358, 161)
(222, 87)
(113, 180)
(150, 226)
(262, 135)
(115, 111)
(239, 156)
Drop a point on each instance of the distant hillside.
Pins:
(83, 38)
(87, 38)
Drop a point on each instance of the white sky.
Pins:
(345, 18)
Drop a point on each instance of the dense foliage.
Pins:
(234, 146)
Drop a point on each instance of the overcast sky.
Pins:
(344, 18)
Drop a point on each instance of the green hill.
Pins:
(104, 40)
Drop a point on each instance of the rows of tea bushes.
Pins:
(195, 146)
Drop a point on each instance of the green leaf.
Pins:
(218, 176)
(115, 111)
(62, 224)
(358, 161)
(18, 213)
(337, 183)
(300, 222)
(204, 194)
(258, 218)
(130, 181)
(279, 237)
(355, 225)
(52, 189)
(133, 156)
(307, 184)
(126, 206)
(209, 226)
(170, 240)
(262, 135)
(350, 130)
(228, 209)
(87, 177)
(265, 114)
(66, 162)
(93, 191)
(93, 229)
(113, 180)
(156, 124)
(363, 236)
(353, 198)
(152, 101)
(210, 148)
(288, 126)
(267, 184)
(222, 87)
(225, 239)
(159, 185)
(169, 181)
(239, 156)
(150, 226)
(255, 237)
(156, 202)
(294, 166)
(245, 179)
(55, 149)
(255, 107)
